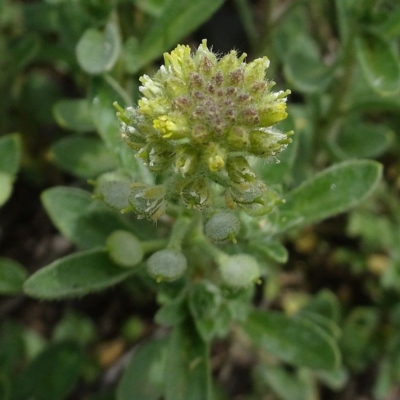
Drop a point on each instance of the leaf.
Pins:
(273, 250)
(81, 219)
(379, 63)
(74, 114)
(357, 337)
(295, 340)
(52, 375)
(188, 375)
(178, 19)
(358, 139)
(390, 27)
(205, 304)
(6, 183)
(10, 153)
(96, 51)
(75, 275)
(297, 385)
(330, 192)
(83, 157)
(12, 276)
(303, 67)
(143, 378)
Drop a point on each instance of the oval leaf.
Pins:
(74, 114)
(10, 153)
(6, 182)
(97, 51)
(379, 63)
(81, 219)
(12, 276)
(330, 192)
(83, 157)
(143, 378)
(358, 139)
(295, 340)
(75, 275)
(52, 375)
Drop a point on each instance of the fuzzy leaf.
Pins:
(295, 340)
(6, 183)
(187, 369)
(52, 375)
(97, 51)
(12, 276)
(379, 63)
(143, 378)
(83, 157)
(75, 275)
(74, 114)
(10, 153)
(81, 219)
(330, 192)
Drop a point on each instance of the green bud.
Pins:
(239, 271)
(114, 190)
(124, 248)
(222, 226)
(167, 264)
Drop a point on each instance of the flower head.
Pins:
(199, 119)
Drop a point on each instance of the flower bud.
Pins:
(124, 248)
(222, 226)
(239, 271)
(167, 265)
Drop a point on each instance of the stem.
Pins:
(178, 233)
(150, 246)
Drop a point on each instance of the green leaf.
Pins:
(358, 139)
(303, 67)
(12, 276)
(83, 157)
(295, 340)
(98, 51)
(379, 63)
(297, 385)
(10, 153)
(75, 327)
(210, 317)
(75, 275)
(6, 184)
(52, 375)
(74, 114)
(81, 219)
(12, 349)
(330, 192)
(390, 27)
(324, 303)
(273, 250)
(143, 378)
(178, 19)
(357, 337)
(188, 375)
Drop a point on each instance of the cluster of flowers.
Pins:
(199, 120)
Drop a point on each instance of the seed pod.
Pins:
(239, 271)
(222, 226)
(166, 265)
(125, 248)
(114, 190)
